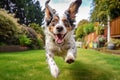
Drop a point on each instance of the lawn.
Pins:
(31, 65)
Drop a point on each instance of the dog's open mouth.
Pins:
(59, 38)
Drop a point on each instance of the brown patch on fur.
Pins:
(69, 29)
(53, 23)
(47, 13)
(51, 28)
(56, 18)
(67, 24)
(73, 9)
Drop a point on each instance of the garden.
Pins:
(22, 39)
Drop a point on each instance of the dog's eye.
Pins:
(66, 23)
(54, 22)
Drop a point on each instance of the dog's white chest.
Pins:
(59, 50)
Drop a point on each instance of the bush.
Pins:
(12, 33)
(88, 28)
(37, 28)
(79, 32)
(84, 30)
(40, 43)
(2, 44)
(116, 42)
(24, 41)
(9, 28)
(36, 44)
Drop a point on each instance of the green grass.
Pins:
(31, 65)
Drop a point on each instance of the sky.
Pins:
(61, 5)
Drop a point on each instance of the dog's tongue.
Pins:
(59, 38)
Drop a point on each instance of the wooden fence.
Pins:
(114, 28)
(114, 31)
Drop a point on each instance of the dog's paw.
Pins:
(69, 59)
(55, 71)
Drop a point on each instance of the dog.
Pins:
(59, 35)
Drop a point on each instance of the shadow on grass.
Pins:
(82, 71)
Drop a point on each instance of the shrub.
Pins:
(84, 30)
(88, 28)
(116, 42)
(79, 39)
(40, 43)
(37, 28)
(2, 44)
(79, 32)
(9, 28)
(24, 41)
(12, 33)
(36, 44)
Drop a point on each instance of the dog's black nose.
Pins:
(59, 28)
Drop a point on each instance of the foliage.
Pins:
(82, 22)
(2, 44)
(102, 8)
(116, 42)
(9, 28)
(79, 39)
(12, 33)
(34, 37)
(37, 44)
(37, 28)
(40, 43)
(84, 30)
(101, 38)
(24, 41)
(79, 31)
(88, 28)
(99, 30)
(28, 11)
(31, 65)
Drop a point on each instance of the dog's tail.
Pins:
(46, 3)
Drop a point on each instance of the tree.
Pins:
(104, 11)
(28, 11)
(102, 8)
(79, 31)
(88, 28)
(84, 27)
(84, 21)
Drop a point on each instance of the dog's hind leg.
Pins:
(52, 65)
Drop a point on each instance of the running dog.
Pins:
(59, 32)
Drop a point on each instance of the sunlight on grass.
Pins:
(31, 65)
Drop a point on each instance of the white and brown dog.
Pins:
(59, 35)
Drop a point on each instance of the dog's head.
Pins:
(59, 26)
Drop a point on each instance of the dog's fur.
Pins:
(59, 35)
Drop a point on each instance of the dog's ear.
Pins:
(73, 9)
(49, 12)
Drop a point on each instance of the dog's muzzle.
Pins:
(59, 37)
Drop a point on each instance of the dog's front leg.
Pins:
(52, 65)
(71, 55)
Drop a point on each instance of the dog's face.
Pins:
(60, 26)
